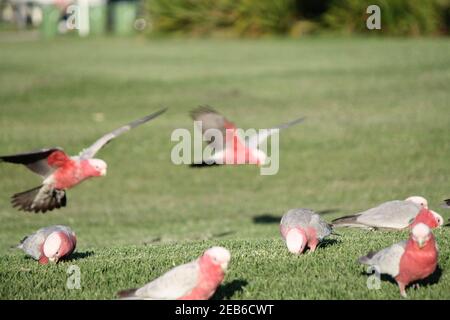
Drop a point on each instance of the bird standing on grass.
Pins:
(302, 228)
(49, 244)
(232, 149)
(61, 172)
(407, 261)
(395, 214)
(196, 280)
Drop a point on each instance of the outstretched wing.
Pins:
(40, 199)
(255, 140)
(35, 160)
(94, 148)
(211, 119)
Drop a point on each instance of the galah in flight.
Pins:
(232, 148)
(407, 261)
(61, 172)
(301, 228)
(49, 244)
(394, 214)
(196, 280)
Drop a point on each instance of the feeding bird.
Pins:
(232, 148)
(49, 244)
(302, 228)
(196, 280)
(61, 172)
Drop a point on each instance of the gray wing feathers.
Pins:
(257, 139)
(386, 261)
(306, 218)
(94, 148)
(393, 214)
(35, 160)
(174, 284)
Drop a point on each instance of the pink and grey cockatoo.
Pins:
(232, 148)
(196, 280)
(49, 244)
(395, 214)
(407, 261)
(61, 172)
(301, 228)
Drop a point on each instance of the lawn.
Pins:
(377, 129)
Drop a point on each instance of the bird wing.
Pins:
(393, 214)
(299, 217)
(211, 119)
(323, 228)
(172, 285)
(35, 160)
(386, 261)
(97, 145)
(254, 141)
(40, 199)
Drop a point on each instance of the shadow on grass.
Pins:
(327, 242)
(228, 290)
(203, 165)
(79, 255)
(266, 218)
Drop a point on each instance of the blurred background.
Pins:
(224, 18)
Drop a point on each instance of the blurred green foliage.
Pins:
(398, 17)
(296, 17)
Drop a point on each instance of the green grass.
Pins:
(378, 127)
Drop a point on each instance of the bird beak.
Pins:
(53, 259)
(224, 266)
(103, 172)
(421, 243)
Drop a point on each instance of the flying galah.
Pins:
(232, 148)
(196, 280)
(303, 227)
(395, 214)
(61, 172)
(407, 261)
(49, 244)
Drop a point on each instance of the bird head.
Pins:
(57, 245)
(97, 168)
(430, 218)
(421, 234)
(296, 240)
(421, 201)
(219, 256)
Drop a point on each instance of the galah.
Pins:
(407, 261)
(49, 244)
(61, 172)
(396, 214)
(232, 148)
(301, 228)
(196, 280)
